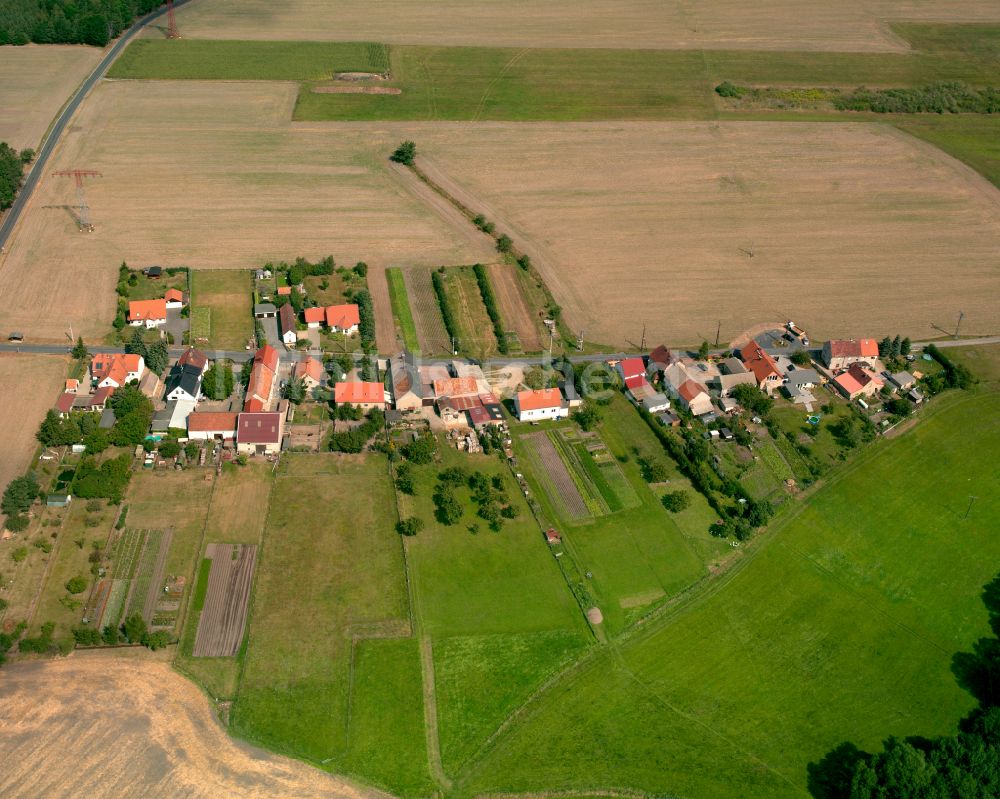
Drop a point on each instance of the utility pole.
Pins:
(718, 330)
(642, 341)
(969, 509)
(961, 316)
(78, 175)
(579, 342)
(172, 32)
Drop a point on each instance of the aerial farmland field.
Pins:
(851, 25)
(641, 224)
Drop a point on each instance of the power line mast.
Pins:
(81, 198)
(172, 32)
(961, 316)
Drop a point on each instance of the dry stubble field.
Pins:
(35, 81)
(235, 185)
(847, 25)
(98, 725)
(855, 229)
(29, 386)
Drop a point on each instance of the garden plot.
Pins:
(432, 336)
(223, 618)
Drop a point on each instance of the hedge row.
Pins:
(490, 301)
(366, 313)
(955, 374)
(446, 313)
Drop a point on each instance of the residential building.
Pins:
(263, 377)
(364, 395)
(692, 395)
(536, 405)
(733, 373)
(183, 383)
(645, 396)
(314, 316)
(148, 313)
(660, 358)
(286, 316)
(174, 298)
(310, 372)
(858, 381)
(632, 372)
(114, 370)
(765, 369)
(404, 377)
(193, 357)
(211, 425)
(339, 318)
(840, 353)
(70, 401)
(260, 433)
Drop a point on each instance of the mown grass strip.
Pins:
(401, 309)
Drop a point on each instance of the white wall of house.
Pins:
(207, 435)
(542, 414)
(289, 337)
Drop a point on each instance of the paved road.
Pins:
(49, 145)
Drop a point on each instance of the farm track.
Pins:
(514, 308)
(431, 333)
(561, 480)
(223, 618)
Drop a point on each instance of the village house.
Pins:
(840, 353)
(766, 372)
(263, 377)
(858, 381)
(310, 372)
(900, 381)
(692, 395)
(632, 372)
(660, 358)
(193, 357)
(404, 377)
(183, 383)
(339, 318)
(647, 397)
(114, 370)
(148, 313)
(260, 432)
(536, 405)
(365, 395)
(732, 373)
(289, 327)
(92, 403)
(174, 298)
(211, 425)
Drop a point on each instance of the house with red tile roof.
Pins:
(632, 372)
(362, 394)
(456, 387)
(174, 298)
(339, 318)
(692, 395)
(114, 369)
(148, 313)
(263, 377)
(536, 405)
(841, 353)
(211, 425)
(858, 381)
(71, 401)
(260, 433)
(765, 369)
(310, 372)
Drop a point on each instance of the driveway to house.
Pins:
(176, 325)
(270, 326)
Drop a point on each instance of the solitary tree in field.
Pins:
(405, 153)
(676, 501)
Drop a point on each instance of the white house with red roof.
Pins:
(114, 370)
(362, 394)
(858, 381)
(148, 313)
(764, 367)
(339, 318)
(693, 396)
(263, 377)
(841, 353)
(539, 404)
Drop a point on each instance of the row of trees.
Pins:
(894, 347)
(93, 22)
(492, 308)
(11, 172)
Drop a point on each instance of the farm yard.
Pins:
(34, 83)
(852, 25)
(780, 190)
(209, 201)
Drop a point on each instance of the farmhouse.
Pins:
(545, 403)
(310, 372)
(733, 373)
(206, 425)
(404, 376)
(174, 298)
(286, 316)
(183, 383)
(660, 358)
(858, 381)
(364, 395)
(260, 433)
(839, 353)
(263, 376)
(693, 396)
(766, 372)
(151, 313)
(114, 370)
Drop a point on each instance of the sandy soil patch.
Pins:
(356, 90)
(514, 310)
(35, 81)
(96, 726)
(29, 386)
(234, 185)
(853, 226)
(848, 25)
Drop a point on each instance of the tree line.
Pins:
(492, 309)
(11, 172)
(93, 22)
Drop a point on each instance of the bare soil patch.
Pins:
(237, 185)
(29, 386)
(427, 319)
(848, 25)
(356, 90)
(514, 309)
(223, 618)
(35, 81)
(851, 225)
(139, 729)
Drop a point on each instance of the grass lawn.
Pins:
(842, 628)
(236, 60)
(146, 289)
(228, 296)
(401, 309)
(331, 566)
(475, 330)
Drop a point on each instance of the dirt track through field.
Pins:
(104, 726)
(569, 496)
(847, 25)
(223, 618)
(514, 310)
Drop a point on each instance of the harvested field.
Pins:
(636, 223)
(149, 732)
(29, 386)
(431, 333)
(224, 616)
(556, 477)
(514, 308)
(35, 81)
(850, 25)
(240, 185)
